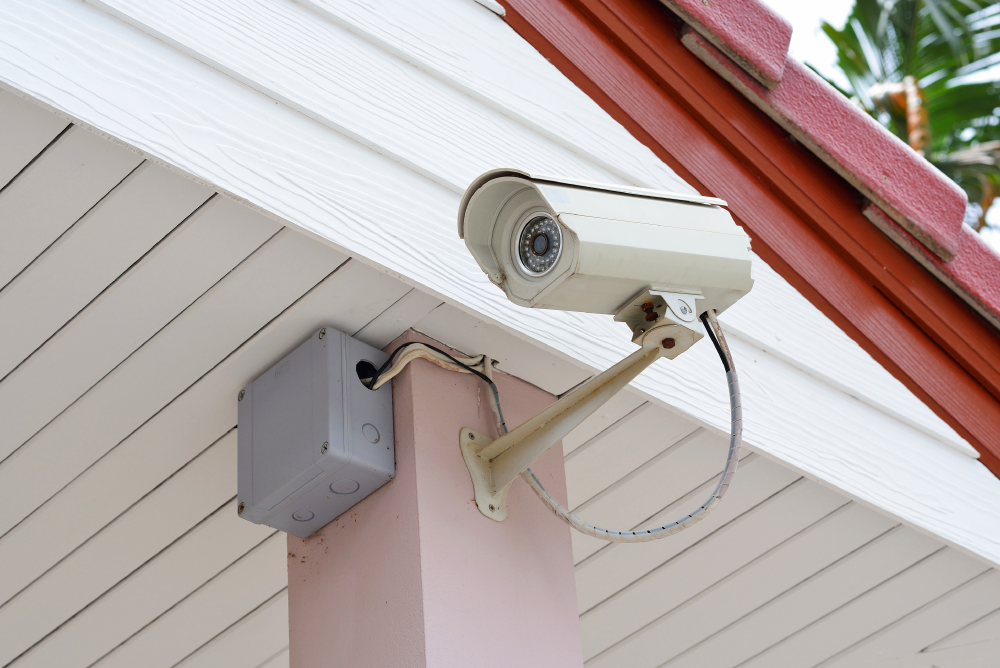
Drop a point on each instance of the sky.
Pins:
(811, 46)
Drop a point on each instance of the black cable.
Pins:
(715, 341)
(486, 379)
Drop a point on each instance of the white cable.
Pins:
(419, 350)
(655, 533)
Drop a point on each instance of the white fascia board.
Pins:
(795, 331)
(339, 64)
(393, 206)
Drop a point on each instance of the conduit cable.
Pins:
(469, 365)
(416, 350)
(735, 446)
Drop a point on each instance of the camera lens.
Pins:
(539, 244)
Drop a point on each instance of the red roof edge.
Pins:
(921, 199)
(972, 274)
(914, 204)
(752, 34)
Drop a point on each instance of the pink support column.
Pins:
(415, 575)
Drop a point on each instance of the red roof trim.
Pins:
(926, 206)
(750, 33)
(925, 202)
(973, 274)
(805, 220)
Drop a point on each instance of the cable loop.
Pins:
(732, 461)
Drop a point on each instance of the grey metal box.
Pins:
(312, 440)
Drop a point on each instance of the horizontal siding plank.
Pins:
(349, 298)
(398, 318)
(980, 631)
(724, 552)
(777, 570)
(228, 314)
(187, 564)
(634, 441)
(208, 611)
(71, 176)
(256, 638)
(982, 655)
(616, 410)
(813, 599)
(279, 660)
(654, 486)
(616, 566)
(174, 274)
(133, 217)
(876, 609)
(162, 516)
(25, 130)
(949, 619)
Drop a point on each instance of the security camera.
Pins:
(637, 254)
(663, 263)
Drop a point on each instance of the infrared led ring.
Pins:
(539, 244)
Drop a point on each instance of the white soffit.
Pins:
(362, 124)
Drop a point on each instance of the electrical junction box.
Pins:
(312, 439)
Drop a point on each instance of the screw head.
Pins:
(492, 509)
(472, 437)
(322, 332)
(240, 397)
(684, 309)
(326, 446)
(668, 343)
(240, 508)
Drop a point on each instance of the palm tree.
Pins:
(920, 68)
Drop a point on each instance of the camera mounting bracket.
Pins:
(494, 464)
(664, 306)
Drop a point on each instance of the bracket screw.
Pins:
(651, 315)
(322, 332)
(240, 397)
(240, 508)
(668, 343)
(326, 446)
(684, 309)
(472, 437)
(492, 509)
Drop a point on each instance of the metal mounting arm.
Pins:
(494, 464)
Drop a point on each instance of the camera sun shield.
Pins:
(575, 246)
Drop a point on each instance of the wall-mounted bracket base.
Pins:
(494, 464)
(494, 506)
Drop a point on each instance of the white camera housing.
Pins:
(613, 245)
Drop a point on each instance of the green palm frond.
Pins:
(946, 45)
